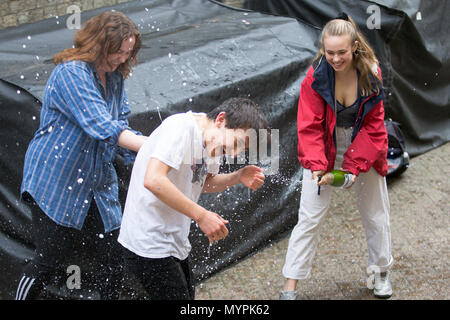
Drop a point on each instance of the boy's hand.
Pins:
(252, 177)
(212, 225)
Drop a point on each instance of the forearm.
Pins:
(169, 194)
(221, 182)
(130, 140)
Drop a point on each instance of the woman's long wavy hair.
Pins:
(364, 58)
(102, 35)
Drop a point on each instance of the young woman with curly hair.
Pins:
(69, 180)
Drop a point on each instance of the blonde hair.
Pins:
(364, 58)
(100, 36)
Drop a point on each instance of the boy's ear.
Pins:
(220, 120)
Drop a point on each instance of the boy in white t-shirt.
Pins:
(178, 162)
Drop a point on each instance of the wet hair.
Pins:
(240, 113)
(364, 58)
(100, 36)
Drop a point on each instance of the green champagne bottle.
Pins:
(339, 178)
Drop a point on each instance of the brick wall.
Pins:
(233, 3)
(18, 12)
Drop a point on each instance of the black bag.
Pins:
(397, 157)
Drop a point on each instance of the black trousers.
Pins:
(55, 243)
(164, 278)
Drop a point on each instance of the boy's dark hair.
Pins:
(240, 113)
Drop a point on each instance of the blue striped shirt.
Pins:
(69, 160)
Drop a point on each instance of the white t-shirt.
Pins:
(150, 228)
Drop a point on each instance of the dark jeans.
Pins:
(164, 278)
(55, 243)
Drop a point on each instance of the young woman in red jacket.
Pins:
(341, 126)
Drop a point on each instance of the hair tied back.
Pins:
(342, 16)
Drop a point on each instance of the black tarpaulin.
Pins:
(195, 55)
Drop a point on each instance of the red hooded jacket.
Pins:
(316, 121)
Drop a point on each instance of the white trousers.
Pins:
(373, 205)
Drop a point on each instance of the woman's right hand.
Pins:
(316, 174)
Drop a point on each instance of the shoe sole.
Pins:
(383, 296)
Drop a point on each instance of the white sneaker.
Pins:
(382, 287)
(288, 295)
